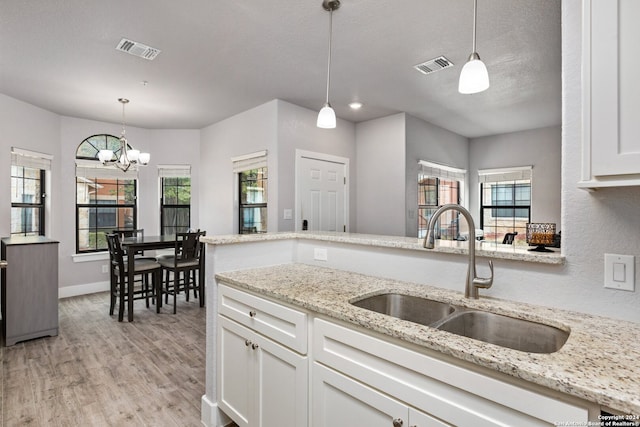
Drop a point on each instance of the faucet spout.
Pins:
(473, 282)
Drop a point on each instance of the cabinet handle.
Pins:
(247, 343)
(252, 313)
(398, 422)
(254, 346)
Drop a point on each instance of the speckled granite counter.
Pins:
(483, 248)
(600, 362)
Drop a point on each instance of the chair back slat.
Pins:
(116, 253)
(187, 246)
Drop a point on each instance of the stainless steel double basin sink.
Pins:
(504, 331)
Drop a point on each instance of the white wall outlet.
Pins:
(105, 268)
(620, 272)
(287, 214)
(320, 254)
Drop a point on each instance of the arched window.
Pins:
(105, 196)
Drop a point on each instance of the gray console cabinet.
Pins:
(29, 288)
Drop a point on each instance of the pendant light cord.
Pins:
(329, 61)
(475, 18)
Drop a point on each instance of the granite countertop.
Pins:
(483, 248)
(599, 362)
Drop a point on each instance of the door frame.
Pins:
(300, 154)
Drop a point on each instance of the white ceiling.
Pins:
(220, 58)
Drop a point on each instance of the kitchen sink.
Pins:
(406, 307)
(505, 331)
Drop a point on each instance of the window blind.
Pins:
(90, 169)
(250, 161)
(30, 159)
(442, 171)
(505, 174)
(174, 171)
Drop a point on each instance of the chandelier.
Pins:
(128, 157)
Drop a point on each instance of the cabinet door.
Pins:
(611, 88)
(339, 401)
(281, 385)
(236, 372)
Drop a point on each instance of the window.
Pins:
(28, 184)
(252, 185)
(439, 185)
(505, 203)
(27, 201)
(106, 197)
(253, 201)
(175, 202)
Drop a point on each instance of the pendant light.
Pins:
(474, 77)
(326, 116)
(128, 157)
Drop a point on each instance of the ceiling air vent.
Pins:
(137, 49)
(433, 65)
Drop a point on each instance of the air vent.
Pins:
(137, 49)
(433, 65)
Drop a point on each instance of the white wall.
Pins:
(425, 141)
(244, 133)
(26, 126)
(297, 130)
(605, 221)
(541, 148)
(380, 154)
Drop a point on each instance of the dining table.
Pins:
(138, 244)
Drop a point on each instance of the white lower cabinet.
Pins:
(261, 383)
(341, 401)
(359, 378)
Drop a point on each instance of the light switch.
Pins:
(619, 272)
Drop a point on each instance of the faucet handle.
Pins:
(484, 282)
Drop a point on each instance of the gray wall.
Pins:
(540, 148)
(381, 178)
(429, 142)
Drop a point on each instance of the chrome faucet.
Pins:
(473, 282)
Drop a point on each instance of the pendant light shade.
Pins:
(474, 76)
(326, 116)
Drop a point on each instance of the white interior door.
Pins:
(322, 194)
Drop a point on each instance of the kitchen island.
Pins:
(587, 367)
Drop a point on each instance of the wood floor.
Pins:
(100, 372)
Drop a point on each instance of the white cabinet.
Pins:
(611, 146)
(260, 381)
(341, 401)
(441, 391)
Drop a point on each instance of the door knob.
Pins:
(397, 422)
(252, 313)
(254, 346)
(247, 343)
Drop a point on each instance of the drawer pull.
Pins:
(252, 313)
(247, 343)
(254, 346)
(397, 422)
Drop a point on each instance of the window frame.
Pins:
(41, 206)
(84, 162)
(242, 206)
(164, 205)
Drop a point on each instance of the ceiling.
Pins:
(220, 58)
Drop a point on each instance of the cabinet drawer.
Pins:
(447, 391)
(282, 324)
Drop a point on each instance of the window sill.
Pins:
(96, 256)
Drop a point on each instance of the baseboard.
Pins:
(88, 288)
(210, 415)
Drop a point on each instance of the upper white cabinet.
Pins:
(611, 89)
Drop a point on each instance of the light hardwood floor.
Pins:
(100, 372)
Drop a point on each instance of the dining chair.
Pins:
(119, 277)
(186, 260)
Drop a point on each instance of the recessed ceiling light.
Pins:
(355, 105)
